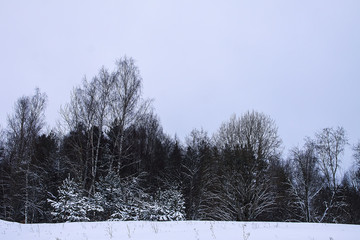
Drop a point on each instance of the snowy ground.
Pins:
(187, 230)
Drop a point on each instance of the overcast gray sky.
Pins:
(201, 61)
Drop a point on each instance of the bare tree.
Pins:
(253, 142)
(24, 126)
(306, 182)
(102, 109)
(2, 144)
(103, 85)
(330, 145)
(355, 171)
(126, 104)
(5, 199)
(356, 155)
(255, 130)
(248, 186)
(90, 108)
(352, 178)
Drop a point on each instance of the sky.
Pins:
(201, 61)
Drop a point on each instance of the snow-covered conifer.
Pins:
(71, 205)
(169, 205)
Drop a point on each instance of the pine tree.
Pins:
(71, 205)
(169, 205)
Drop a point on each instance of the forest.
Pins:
(109, 159)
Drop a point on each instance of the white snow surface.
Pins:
(187, 230)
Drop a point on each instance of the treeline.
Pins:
(110, 160)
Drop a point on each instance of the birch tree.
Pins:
(127, 106)
(97, 117)
(89, 109)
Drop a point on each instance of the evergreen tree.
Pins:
(71, 204)
(168, 205)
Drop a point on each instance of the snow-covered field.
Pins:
(187, 230)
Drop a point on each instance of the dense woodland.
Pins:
(109, 159)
